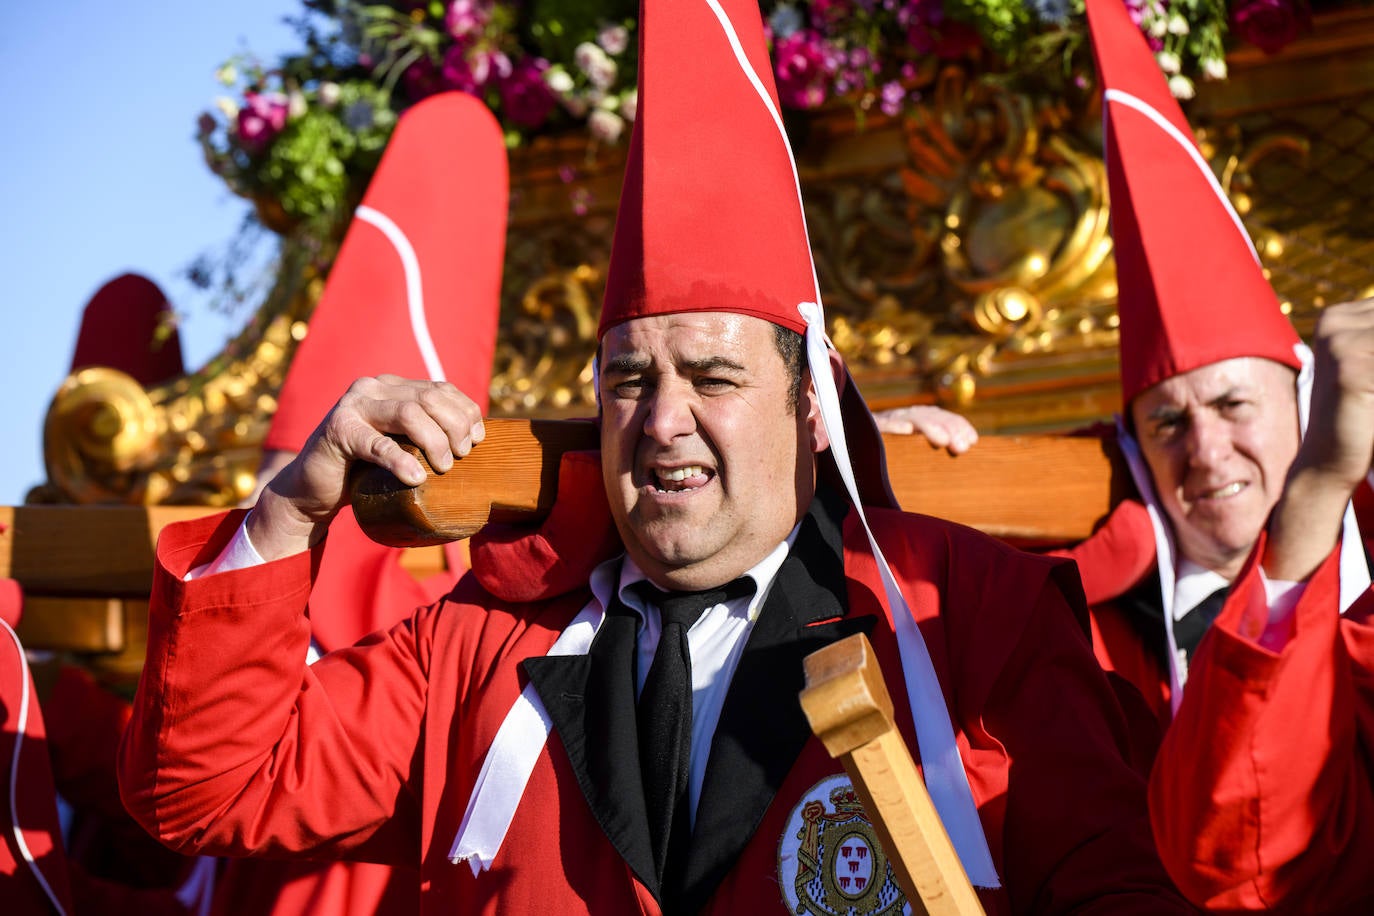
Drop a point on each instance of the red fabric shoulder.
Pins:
(521, 563)
(1118, 556)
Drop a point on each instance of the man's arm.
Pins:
(236, 745)
(1336, 451)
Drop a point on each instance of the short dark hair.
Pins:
(791, 348)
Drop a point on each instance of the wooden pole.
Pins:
(1036, 490)
(850, 710)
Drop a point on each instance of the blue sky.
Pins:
(100, 174)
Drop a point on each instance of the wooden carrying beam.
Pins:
(1037, 490)
(850, 710)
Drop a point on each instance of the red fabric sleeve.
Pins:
(1261, 796)
(237, 745)
(1074, 806)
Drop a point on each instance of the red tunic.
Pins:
(1262, 797)
(34, 878)
(372, 752)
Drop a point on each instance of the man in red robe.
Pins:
(1214, 381)
(555, 736)
(1262, 797)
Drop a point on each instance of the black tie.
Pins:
(665, 719)
(1192, 626)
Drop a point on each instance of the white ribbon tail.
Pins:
(511, 759)
(501, 783)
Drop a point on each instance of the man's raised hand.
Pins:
(296, 507)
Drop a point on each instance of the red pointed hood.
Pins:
(120, 329)
(1191, 289)
(710, 215)
(415, 289)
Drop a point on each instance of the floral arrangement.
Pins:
(303, 136)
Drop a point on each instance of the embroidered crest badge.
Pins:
(830, 862)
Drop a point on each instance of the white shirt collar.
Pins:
(763, 573)
(1193, 585)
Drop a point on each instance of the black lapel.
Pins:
(591, 700)
(762, 728)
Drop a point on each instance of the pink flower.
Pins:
(1270, 24)
(525, 98)
(261, 118)
(803, 68)
(464, 17)
(471, 71)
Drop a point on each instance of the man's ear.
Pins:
(820, 439)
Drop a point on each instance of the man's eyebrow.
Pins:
(626, 364)
(712, 364)
(1230, 394)
(1166, 412)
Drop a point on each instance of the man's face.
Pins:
(707, 464)
(1219, 440)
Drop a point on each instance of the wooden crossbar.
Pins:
(86, 569)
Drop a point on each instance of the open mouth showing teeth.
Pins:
(676, 480)
(1231, 489)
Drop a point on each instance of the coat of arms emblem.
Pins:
(830, 862)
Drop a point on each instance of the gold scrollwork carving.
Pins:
(195, 440)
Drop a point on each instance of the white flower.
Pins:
(1169, 62)
(605, 125)
(1177, 24)
(587, 54)
(1181, 87)
(614, 39)
(227, 75)
(600, 69)
(558, 80)
(1214, 68)
(328, 94)
(228, 107)
(295, 103)
(1159, 25)
(629, 102)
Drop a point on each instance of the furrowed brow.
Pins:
(1236, 393)
(627, 364)
(1165, 412)
(713, 364)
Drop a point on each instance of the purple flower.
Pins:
(1270, 24)
(525, 98)
(261, 118)
(464, 17)
(890, 99)
(803, 68)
